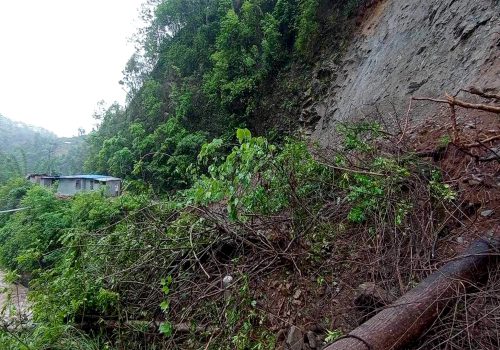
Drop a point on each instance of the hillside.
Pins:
(25, 149)
(405, 49)
(298, 175)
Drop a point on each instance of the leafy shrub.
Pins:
(307, 27)
(255, 176)
(29, 240)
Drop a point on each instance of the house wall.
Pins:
(46, 182)
(36, 179)
(113, 188)
(68, 187)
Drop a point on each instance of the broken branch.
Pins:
(406, 319)
(453, 101)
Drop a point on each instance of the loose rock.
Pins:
(295, 339)
(370, 296)
(311, 340)
(297, 294)
(487, 213)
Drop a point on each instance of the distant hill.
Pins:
(27, 149)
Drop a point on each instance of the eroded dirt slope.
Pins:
(408, 48)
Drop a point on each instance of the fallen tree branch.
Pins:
(475, 91)
(478, 143)
(356, 171)
(415, 311)
(145, 325)
(455, 102)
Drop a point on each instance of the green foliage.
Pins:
(204, 67)
(86, 255)
(331, 336)
(29, 238)
(254, 178)
(161, 158)
(11, 194)
(166, 327)
(25, 149)
(151, 101)
(365, 193)
(246, 321)
(440, 190)
(359, 136)
(307, 27)
(248, 47)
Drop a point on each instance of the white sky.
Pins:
(58, 58)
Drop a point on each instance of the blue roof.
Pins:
(87, 177)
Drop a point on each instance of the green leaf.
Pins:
(243, 135)
(166, 328)
(165, 304)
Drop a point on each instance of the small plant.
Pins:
(166, 327)
(444, 141)
(440, 190)
(331, 336)
(358, 136)
(320, 280)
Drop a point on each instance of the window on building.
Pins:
(78, 184)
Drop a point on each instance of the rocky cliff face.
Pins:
(407, 48)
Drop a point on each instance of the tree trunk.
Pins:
(409, 316)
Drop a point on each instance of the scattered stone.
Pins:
(295, 339)
(227, 280)
(475, 180)
(312, 340)
(281, 335)
(370, 296)
(297, 294)
(487, 213)
(492, 154)
(460, 240)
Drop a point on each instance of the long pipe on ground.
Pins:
(409, 316)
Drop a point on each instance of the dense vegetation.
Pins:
(25, 149)
(205, 197)
(132, 272)
(201, 71)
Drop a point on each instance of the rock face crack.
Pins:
(408, 47)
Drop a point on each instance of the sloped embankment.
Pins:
(408, 48)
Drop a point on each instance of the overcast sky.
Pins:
(58, 58)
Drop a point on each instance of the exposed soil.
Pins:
(321, 297)
(13, 299)
(477, 182)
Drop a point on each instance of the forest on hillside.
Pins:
(25, 149)
(234, 229)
